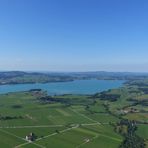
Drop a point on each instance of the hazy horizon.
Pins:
(74, 36)
(40, 71)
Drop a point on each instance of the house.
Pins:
(30, 137)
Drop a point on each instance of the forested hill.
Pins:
(19, 77)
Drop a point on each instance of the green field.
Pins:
(72, 121)
(54, 124)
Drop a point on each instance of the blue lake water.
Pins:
(74, 87)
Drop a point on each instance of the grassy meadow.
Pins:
(73, 121)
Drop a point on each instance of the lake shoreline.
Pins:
(83, 87)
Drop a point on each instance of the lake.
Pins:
(73, 87)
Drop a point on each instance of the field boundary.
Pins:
(53, 134)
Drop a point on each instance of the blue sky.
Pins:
(74, 35)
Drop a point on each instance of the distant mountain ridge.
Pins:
(20, 77)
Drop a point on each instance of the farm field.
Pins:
(53, 124)
(73, 121)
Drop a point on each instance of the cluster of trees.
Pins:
(134, 91)
(139, 82)
(109, 97)
(66, 101)
(49, 99)
(32, 90)
(10, 117)
(17, 106)
(131, 139)
(144, 89)
(143, 102)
